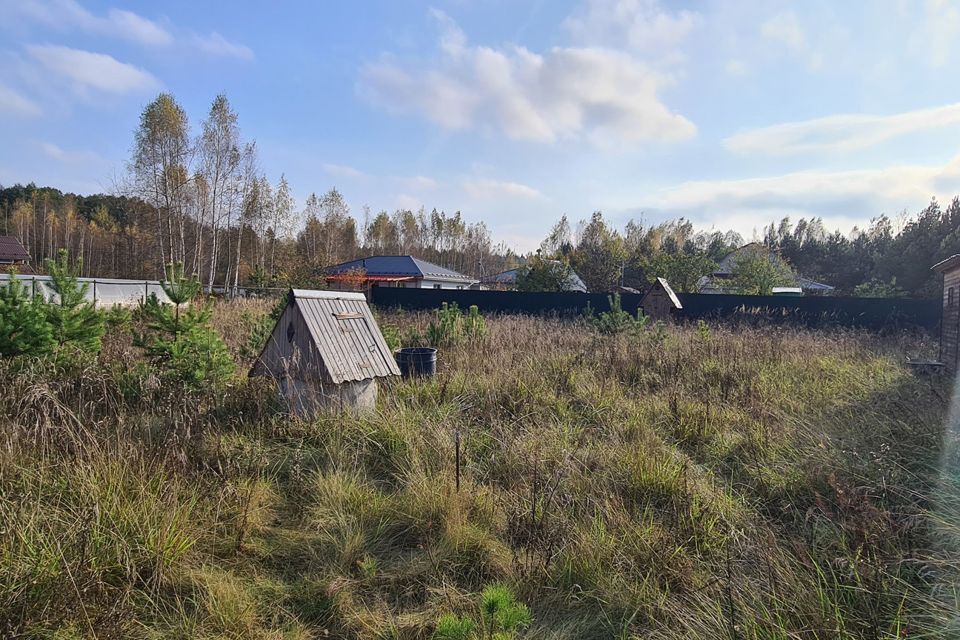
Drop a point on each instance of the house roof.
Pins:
(725, 268)
(394, 266)
(344, 332)
(729, 261)
(11, 250)
(574, 282)
(812, 285)
(947, 265)
(663, 285)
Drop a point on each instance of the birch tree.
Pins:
(220, 159)
(160, 168)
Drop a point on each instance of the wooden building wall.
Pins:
(950, 320)
(658, 306)
(296, 358)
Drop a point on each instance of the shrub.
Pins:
(617, 320)
(23, 324)
(72, 319)
(183, 345)
(450, 327)
(501, 618)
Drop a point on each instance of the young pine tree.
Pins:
(181, 342)
(73, 320)
(23, 323)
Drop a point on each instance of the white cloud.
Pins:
(342, 171)
(69, 14)
(784, 28)
(124, 24)
(642, 25)
(934, 39)
(482, 188)
(215, 44)
(15, 104)
(417, 183)
(93, 70)
(131, 26)
(606, 97)
(407, 201)
(736, 67)
(83, 158)
(840, 133)
(841, 198)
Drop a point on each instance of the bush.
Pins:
(23, 322)
(183, 345)
(617, 320)
(501, 618)
(450, 327)
(72, 319)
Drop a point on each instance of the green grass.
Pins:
(682, 483)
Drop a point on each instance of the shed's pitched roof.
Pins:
(11, 250)
(392, 266)
(345, 334)
(661, 283)
(947, 265)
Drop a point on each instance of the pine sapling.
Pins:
(73, 320)
(23, 323)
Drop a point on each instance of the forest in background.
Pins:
(202, 200)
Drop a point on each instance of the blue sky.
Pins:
(731, 113)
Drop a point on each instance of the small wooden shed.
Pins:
(950, 313)
(326, 351)
(660, 303)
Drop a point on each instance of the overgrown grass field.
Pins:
(674, 482)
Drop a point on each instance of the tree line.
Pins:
(201, 200)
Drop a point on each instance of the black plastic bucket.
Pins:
(417, 361)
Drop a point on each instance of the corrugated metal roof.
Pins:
(11, 250)
(346, 335)
(400, 266)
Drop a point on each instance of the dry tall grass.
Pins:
(679, 483)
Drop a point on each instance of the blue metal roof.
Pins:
(400, 266)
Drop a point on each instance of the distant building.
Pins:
(326, 351)
(721, 280)
(660, 303)
(950, 314)
(395, 271)
(508, 280)
(13, 255)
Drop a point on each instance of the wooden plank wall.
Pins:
(950, 321)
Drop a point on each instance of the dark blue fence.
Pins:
(876, 313)
(501, 301)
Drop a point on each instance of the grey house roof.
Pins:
(327, 334)
(392, 266)
(726, 266)
(574, 282)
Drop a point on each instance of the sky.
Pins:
(731, 113)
